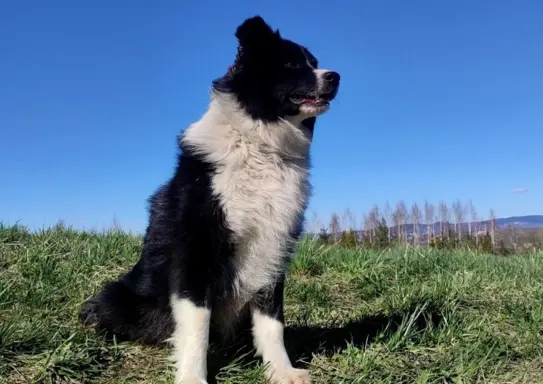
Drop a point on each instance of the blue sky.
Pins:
(439, 100)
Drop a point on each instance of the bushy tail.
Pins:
(118, 311)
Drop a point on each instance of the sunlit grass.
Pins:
(353, 316)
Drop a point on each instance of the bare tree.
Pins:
(492, 217)
(396, 220)
(476, 223)
(415, 217)
(514, 237)
(401, 210)
(348, 220)
(470, 210)
(458, 210)
(366, 226)
(373, 220)
(334, 226)
(437, 220)
(387, 214)
(315, 225)
(443, 217)
(429, 219)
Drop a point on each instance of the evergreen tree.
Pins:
(348, 239)
(485, 244)
(381, 235)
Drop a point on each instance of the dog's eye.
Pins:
(291, 65)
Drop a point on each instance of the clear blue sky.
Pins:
(439, 100)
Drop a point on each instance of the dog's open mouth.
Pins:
(312, 99)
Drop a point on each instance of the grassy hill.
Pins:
(396, 316)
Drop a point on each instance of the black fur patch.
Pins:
(267, 71)
(187, 250)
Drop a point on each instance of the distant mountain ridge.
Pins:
(523, 222)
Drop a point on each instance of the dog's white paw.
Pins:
(191, 380)
(290, 376)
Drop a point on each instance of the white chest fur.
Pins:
(261, 181)
(263, 197)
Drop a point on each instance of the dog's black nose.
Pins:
(331, 77)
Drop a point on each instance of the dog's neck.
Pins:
(226, 125)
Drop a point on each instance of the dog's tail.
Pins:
(120, 312)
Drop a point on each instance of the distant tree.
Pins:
(514, 237)
(492, 217)
(367, 229)
(348, 220)
(324, 236)
(348, 239)
(381, 235)
(476, 225)
(458, 210)
(443, 217)
(315, 225)
(452, 240)
(429, 219)
(334, 226)
(373, 220)
(485, 244)
(397, 220)
(401, 211)
(387, 215)
(502, 249)
(470, 210)
(415, 217)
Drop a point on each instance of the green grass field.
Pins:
(396, 316)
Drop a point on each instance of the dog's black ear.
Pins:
(255, 31)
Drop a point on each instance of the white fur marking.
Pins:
(268, 340)
(262, 185)
(319, 73)
(190, 340)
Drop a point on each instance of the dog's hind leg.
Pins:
(118, 311)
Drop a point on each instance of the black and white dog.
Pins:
(223, 228)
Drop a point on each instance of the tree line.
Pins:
(440, 225)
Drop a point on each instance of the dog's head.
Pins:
(274, 78)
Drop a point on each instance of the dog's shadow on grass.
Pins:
(302, 341)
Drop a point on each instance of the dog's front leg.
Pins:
(268, 326)
(190, 339)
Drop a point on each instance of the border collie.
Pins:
(222, 230)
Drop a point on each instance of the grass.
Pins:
(396, 316)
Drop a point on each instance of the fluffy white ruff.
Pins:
(261, 181)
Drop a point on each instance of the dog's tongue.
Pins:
(310, 101)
